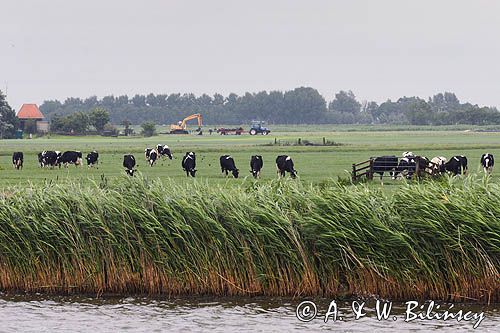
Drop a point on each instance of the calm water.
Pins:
(136, 314)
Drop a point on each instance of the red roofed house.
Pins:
(31, 112)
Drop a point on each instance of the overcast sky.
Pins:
(381, 49)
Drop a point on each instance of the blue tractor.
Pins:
(258, 128)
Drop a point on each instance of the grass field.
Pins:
(314, 163)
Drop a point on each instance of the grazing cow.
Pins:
(456, 165)
(384, 164)
(71, 157)
(40, 159)
(227, 164)
(189, 163)
(17, 160)
(284, 164)
(423, 163)
(147, 151)
(92, 158)
(49, 158)
(164, 150)
(436, 165)
(153, 156)
(129, 164)
(487, 161)
(256, 164)
(407, 166)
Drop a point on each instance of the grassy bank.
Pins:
(433, 240)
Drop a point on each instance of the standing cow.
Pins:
(147, 151)
(284, 163)
(436, 165)
(153, 156)
(49, 158)
(129, 164)
(71, 157)
(487, 162)
(256, 164)
(227, 164)
(407, 166)
(17, 160)
(384, 164)
(164, 150)
(456, 165)
(189, 163)
(92, 158)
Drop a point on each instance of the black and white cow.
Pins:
(49, 158)
(384, 164)
(164, 150)
(189, 163)
(284, 163)
(40, 160)
(153, 156)
(456, 165)
(227, 164)
(256, 164)
(407, 166)
(436, 165)
(17, 160)
(147, 151)
(71, 157)
(129, 164)
(487, 162)
(92, 158)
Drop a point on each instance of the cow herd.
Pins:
(408, 165)
(284, 163)
(404, 167)
(51, 158)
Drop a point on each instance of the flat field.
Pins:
(314, 163)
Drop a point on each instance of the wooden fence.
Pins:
(365, 169)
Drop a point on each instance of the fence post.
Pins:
(299, 141)
(370, 174)
(354, 177)
(417, 167)
(275, 141)
(324, 141)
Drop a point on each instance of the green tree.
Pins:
(99, 117)
(8, 119)
(148, 128)
(77, 122)
(345, 101)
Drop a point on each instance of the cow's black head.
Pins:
(236, 173)
(168, 153)
(293, 174)
(130, 172)
(254, 173)
(192, 172)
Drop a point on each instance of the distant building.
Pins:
(32, 112)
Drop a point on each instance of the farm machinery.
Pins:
(258, 128)
(181, 126)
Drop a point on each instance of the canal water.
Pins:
(41, 313)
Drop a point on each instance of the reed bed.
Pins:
(437, 240)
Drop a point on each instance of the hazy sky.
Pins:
(381, 49)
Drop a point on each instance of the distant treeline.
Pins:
(302, 105)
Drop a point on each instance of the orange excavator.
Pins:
(181, 126)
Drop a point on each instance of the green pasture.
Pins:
(314, 163)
